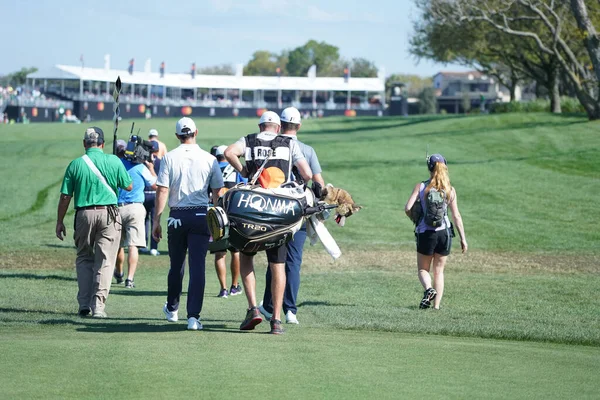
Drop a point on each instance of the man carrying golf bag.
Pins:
(269, 158)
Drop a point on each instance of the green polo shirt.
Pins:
(81, 183)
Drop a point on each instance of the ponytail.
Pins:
(440, 180)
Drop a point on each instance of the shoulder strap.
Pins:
(97, 172)
(251, 141)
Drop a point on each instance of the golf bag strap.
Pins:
(97, 172)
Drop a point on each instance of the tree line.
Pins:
(551, 43)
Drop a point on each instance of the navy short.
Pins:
(434, 242)
(276, 255)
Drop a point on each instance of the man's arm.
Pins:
(233, 154)
(319, 179)
(304, 169)
(150, 180)
(63, 206)
(162, 193)
(216, 193)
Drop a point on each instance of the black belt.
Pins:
(188, 208)
(125, 204)
(91, 208)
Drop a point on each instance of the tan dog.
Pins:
(340, 197)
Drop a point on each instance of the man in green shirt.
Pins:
(93, 180)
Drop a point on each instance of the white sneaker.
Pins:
(194, 324)
(290, 318)
(154, 252)
(171, 315)
(264, 312)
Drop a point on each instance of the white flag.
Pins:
(107, 61)
(147, 66)
(239, 70)
(312, 72)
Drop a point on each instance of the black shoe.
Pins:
(129, 284)
(253, 318)
(118, 277)
(276, 328)
(428, 297)
(84, 312)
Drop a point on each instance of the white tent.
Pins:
(67, 72)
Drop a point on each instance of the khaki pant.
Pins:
(97, 243)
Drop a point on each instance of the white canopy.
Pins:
(66, 72)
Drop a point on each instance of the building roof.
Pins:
(60, 72)
(475, 74)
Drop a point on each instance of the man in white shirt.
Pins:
(185, 175)
(276, 155)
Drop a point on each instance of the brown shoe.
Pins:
(253, 318)
(276, 328)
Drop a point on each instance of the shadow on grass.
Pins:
(37, 277)
(399, 123)
(58, 246)
(324, 303)
(24, 311)
(128, 292)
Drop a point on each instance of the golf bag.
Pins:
(254, 219)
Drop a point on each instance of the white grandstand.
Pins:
(89, 84)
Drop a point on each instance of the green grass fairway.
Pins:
(520, 316)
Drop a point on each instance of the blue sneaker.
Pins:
(235, 290)
(222, 294)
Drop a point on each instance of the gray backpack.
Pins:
(435, 209)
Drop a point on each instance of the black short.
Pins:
(221, 246)
(276, 255)
(430, 242)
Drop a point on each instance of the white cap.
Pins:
(121, 144)
(269, 116)
(152, 132)
(291, 114)
(185, 126)
(220, 150)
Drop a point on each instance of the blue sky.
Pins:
(207, 32)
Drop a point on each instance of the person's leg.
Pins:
(198, 238)
(248, 278)
(439, 262)
(136, 237)
(120, 261)
(148, 218)
(107, 238)
(424, 266)
(177, 244)
(253, 317)
(132, 262)
(267, 296)
(221, 268)
(441, 252)
(84, 263)
(293, 264)
(235, 268)
(277, 288)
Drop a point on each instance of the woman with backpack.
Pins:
(433, 230)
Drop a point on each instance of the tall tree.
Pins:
(557, 28)
(321, 54)
(223, 69)
(265, 63)
(427, 101)
(363, 68)
(17, 78)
